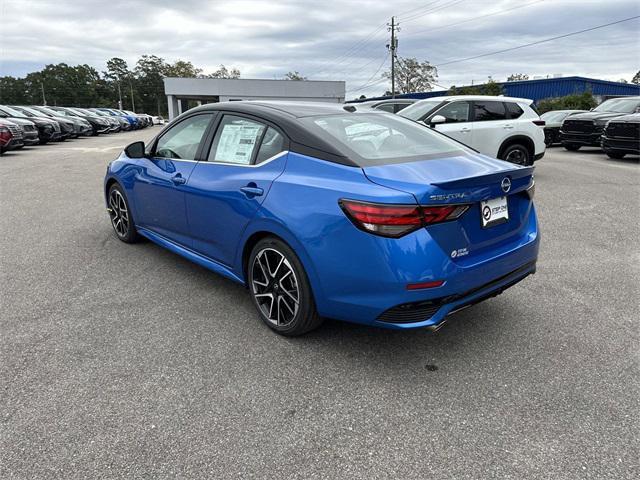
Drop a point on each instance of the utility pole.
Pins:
(393, 46)
(119, 97)
(133, 102)
(44, 100)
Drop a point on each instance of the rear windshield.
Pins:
(377, 139)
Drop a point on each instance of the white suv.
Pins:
(500, 127)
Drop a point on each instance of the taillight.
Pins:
(5, 134)
(397, 220)
(540, 123)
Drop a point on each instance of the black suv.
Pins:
(622, 136)
(585, 129)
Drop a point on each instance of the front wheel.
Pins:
(120, 214)
(615, 155)
(518, 154)
(280, 288)
(571, 147)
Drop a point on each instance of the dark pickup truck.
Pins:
(585, 129)
(622, 136)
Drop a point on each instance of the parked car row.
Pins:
(614, 126)
(38, 125)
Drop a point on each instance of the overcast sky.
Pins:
(326, 39)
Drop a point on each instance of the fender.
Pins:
(270, 224)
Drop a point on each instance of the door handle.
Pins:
(178, 179)
(465, 130)
(252, 190)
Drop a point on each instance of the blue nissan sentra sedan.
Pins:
(322, 210)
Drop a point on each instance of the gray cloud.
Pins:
(324, 40)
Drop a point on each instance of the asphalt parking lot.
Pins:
(126, 361)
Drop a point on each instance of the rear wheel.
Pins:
(280, 289)
(571, 147)
(120, 214)
(518, 154)
(614, 154)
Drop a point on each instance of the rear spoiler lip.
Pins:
(481, 180)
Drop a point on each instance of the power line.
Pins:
(368, 82)
(499, 12)
(330, 64)
(401, 15)
(437, 9)
(539, 41)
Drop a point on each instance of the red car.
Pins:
(11, 136)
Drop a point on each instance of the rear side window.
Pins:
(236, 140)
(487, 111)
(514, 110)
(455, 112)
(387, 107)
(400, 106)
(272, 144)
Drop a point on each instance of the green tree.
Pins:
(65, 85)
(148, 86)
(294, 76)
(13, 91)
(516, 77)
(182, 69)
(223, 72)
(489, 88)
(413, 76)
(636, 78)
(581, 101)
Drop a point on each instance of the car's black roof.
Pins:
(279, 108)
(286, 116)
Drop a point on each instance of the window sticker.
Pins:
(237, 142)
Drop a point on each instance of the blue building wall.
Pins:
(538, 90)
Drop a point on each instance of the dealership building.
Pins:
(185, 92)
(539, 89)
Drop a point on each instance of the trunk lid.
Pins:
(464, 179)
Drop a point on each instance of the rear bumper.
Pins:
(627, 145)
(583, 139)
(437, 311)
(373, 290)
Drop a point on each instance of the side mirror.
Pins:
(135, 150)
(437, 119)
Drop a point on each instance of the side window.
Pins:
(400, 106)
(455, 112)
(485, 111)
(182, 140)
(387, 107)
(236, 140)
(272, 144)
(514, 110)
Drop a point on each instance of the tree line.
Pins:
(141, 87)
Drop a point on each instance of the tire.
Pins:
(571, 147)
(120, 215)
(517, 153)
(276, 279)
(615, 155)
